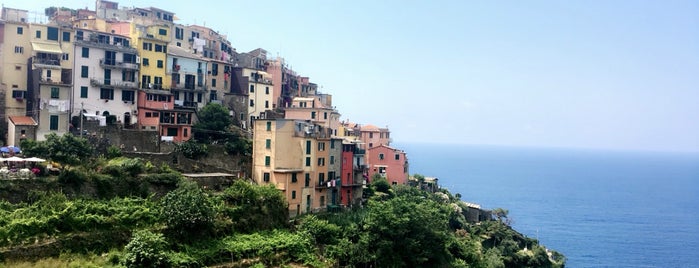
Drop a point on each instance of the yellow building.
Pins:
(15, 51)
(286, 155)
(49, 94)
(151, 42)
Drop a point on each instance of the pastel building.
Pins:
(188, 76)
(106, 80)
(388, 162)
(287, 154)
(314, 110)
(354, 173)
(15, 51)
(49, 92)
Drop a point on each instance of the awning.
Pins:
(48, 48)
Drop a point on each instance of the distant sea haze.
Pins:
(599, 208)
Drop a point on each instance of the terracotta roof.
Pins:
(369, 128)
(23, 121)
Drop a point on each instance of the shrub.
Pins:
(191, 149)
(72, 176)
(187, 211)
(113, 152)
(146, 249)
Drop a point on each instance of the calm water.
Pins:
(600, 209)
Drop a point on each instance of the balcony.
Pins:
(360, 167)
(104, 45)
(112, 84)
(52, 63)
(327, 184)
(112, 64)
(187, 87)
(358, 151)
(186, 104)
(49, 81)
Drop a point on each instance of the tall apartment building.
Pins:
(292, 155)
(50, 84)
(106, 76)
(15, 51)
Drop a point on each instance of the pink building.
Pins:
(156, 113)
(374, 136)
(389, 162)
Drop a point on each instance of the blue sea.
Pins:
(598, 208)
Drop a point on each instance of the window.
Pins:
(18, 94)
(308, 147)
(268, 143)
(213, 82)
(145, 62)
(308, 179)
(179, 33)
(55, 93)
(162, 32)
(53, 124)
(325, 115)
(48, 74)
(267, 90)
(158, 48)
(38, 35)
(160, 64)
(293, 177)
(321, 146)
(19, 50)
(313, 115)
(267, 161)
(20, 30)
(321, 177)
(66, 36)
(252, 88)
(83, 92)
(371, 135)
(148, 46)
(321, 161)
(322, 201)
(332, 144)
(172, 132)
(185, 132)
(65, 56)
(308, 161)
(380, 156)
(252, 103)
(293, 194)
(127, 95)
(332, 159)
(397, 156)
(52, 33)
(106, 93)
(266, 176)
(269, 126)
(86, 52)
(158, 81)
(266, 104)
(83, 71)
(214, 69)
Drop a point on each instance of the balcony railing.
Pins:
(112, 84)
(45, 61)
(109, 63)
(359, 151)
(101, 44)
(360, 167)
(49, 81)
(186, 104)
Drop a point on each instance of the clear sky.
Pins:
(591, 74)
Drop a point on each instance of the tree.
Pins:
(255, 207)
(405, 233)
(66, 149)
(214, 121)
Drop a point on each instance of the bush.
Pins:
(191, 149)
(72, 176)
(187, 211)
(146, 249)
(113, 152)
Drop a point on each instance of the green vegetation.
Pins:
(113, 217)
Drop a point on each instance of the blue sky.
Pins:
(589, 74)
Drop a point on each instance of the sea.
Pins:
(599, 208)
